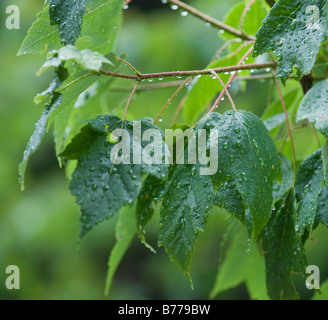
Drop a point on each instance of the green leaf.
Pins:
(309, 182)
(314, 107)
(284, 253)
(98, 31)
(252, 20)
(249, 160)
(60, 75)
(153, 190)
(100, 185)
(125, 232)
(81, 106)
(86, 58)
(41, 37)
(68, 15)
(295, 30)
(275, 121)
(324, 292)
(185, 207)
(204, 88)
(322, 207)
(241, 265)
(37, 136)
(287, 182)
(227, 197)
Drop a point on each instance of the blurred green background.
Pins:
(39, 227)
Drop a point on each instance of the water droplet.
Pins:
(174, 7)
(184, 13)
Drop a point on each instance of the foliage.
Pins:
(278, 201)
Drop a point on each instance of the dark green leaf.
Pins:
(314, 107)
(100, 186)
(309, 182)
(229, 198)
(295, 30)
(280, 189)
(284, 253)
(68, 15)
(249, 160)
(153, 190)
(185, 207)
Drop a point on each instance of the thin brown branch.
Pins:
(171, 98)
(243, 15)
(216, 103)
(211, 20)
(288, 126)
(126, 2)
(225, 89)
(143, 76)
(129, 100)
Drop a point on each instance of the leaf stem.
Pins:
(129, 100)
(129, 65)
(216, 103)
(243, 15)
(211, 20)
(225, 89)
(289, 128)
(171, 98)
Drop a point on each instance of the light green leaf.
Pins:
(68, 15)
(275, 121)
(295, 30)
(314, 107)
(86, 58)
(252, 20)
(284, 252)
(98, 31)
(125, 232)
(241, 265)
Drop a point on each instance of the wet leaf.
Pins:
(100, 183)
(314, 107)
(68, 16)
(294, 30)
(284, 253)
(309, 182)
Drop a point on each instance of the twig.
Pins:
(223, 47)
(126, 2)
(211, 20)
(129, 100)
(178, 110)
(143, 76)
(243, 15)
(216, 103)
(225, 89)
(288, 126)
(171, 98)
(129, 65)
